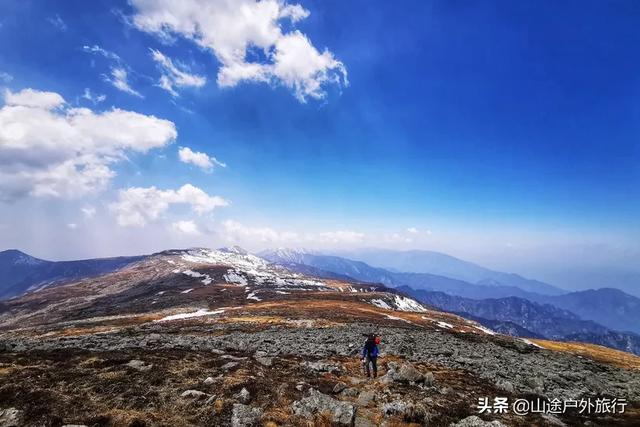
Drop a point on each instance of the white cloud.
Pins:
(5, 77)
(342, 236)
(185, 227)
(94, 98)
(412, 230)
(33, 98)
(119, 79)
(234, 29)
(236, 232)
(50, 150)
(137, 206)
(72, 225)
(199, 159)
(175, 75)
(57, 22)
(88, 211)
(97, 50)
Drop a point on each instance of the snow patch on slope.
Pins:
(408, 304)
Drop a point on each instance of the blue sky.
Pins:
(502, 132)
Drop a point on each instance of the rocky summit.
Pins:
(224, 338)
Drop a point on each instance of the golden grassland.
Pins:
(594, 352)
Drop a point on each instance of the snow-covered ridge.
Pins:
(246, 269)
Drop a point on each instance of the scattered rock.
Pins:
(245, 416)
(321, 367)
(342, 413)
(409, 411)
(475, 421)
(10, 417)
(407, 373)
(265, 361)
(139, 365)
(363, 422)
(429, 379)
(209, 381)
(228, 366)
(244, 396)
(350, 392)
(505, 386)
(194, 394)
(339, 387)
(553, 420)
(365, 398)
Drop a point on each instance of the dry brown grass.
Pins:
(594, 352)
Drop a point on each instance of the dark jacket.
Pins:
(370, 348)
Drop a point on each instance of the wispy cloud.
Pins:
(93, 98)
(120, 80)
(57, 22)
(175, 75)
(119, 72)
(5, 77)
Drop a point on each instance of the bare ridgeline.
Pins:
(217, 338)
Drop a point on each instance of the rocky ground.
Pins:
(143, 352)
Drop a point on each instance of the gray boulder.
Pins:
(10, 417)
(321, 367)
(139, 365)
(409, 411)
(342, 413)
(230, 365)
(475, 421)
(245, 416)
(365, 398)
(339, 387)
(243, 396)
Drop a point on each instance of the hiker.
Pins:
(370, 355)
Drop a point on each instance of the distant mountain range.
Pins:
(358, 270)
(520, 317)
(20, 272)
(419, 261)
(593, 315)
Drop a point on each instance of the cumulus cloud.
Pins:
(412, 230)
(185, 227)
(136, 206)
(175, 75)
(50, 150)
(33, 98)
(199, 159)
(247, 38)
(120, 80)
